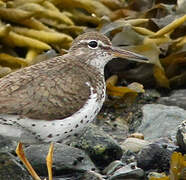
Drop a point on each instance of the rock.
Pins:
(11, 169)
(133, 144)
(101, 148)
(176, 98)
(156, 175)
(113, 166)
(91, 175)
(65, 159)
(160, 121)
(128, 172)
(7, 145)
(128, 157)
(136, 135)
(181, 136)
(154, 156)
(113, 121)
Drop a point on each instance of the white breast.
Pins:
(28, 130)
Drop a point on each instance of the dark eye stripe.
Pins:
(93, 44)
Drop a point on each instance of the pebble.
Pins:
(128, 172)
(134, 144)
(181, 136)
(154, 156)
(113, 166)
(136, 135)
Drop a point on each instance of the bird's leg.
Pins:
(21, 155)
(49, 160)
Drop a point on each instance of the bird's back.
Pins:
(53, 89)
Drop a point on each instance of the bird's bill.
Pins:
(117, 52)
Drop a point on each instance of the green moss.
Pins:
(99, 149)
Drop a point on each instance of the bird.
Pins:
(54, 99)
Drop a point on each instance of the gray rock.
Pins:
(181, 136)
(113, 166)
(7, 145)
(154, 156)
(65, 159)
(129, 172)
(101, 148)
(10, 169)
(91, 175)
(161, 121)
(176, 98)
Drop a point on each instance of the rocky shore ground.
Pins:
(130, 142)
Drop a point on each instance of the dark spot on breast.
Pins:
(87, 121)
(93, 169)
(53, 124)
(65, 132)
(86, 116)
(81, 121)
(33, 125)
(50, 136)
(71, 130)
(3, 119)
(76, 126)
(57, 134)
(33, 133)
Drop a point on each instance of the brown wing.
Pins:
(53, 89)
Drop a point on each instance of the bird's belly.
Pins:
(32, 131)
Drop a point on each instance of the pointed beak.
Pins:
(117, 52)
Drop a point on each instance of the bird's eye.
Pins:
(93, 44)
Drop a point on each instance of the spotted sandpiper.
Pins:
(51, 100)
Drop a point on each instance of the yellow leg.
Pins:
(21, 155)
(49, 160)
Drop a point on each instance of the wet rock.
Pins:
(7, 145)
(128, 172)
(176, 98)
(66, 159)
(160, 121)
(181, 136)
(133, 144)
(154, 156)
(102, 148)
(113, 166)
(91, 175)
(11, 169)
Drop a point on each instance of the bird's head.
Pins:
(96, 49)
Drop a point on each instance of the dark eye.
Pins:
(93, 44)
